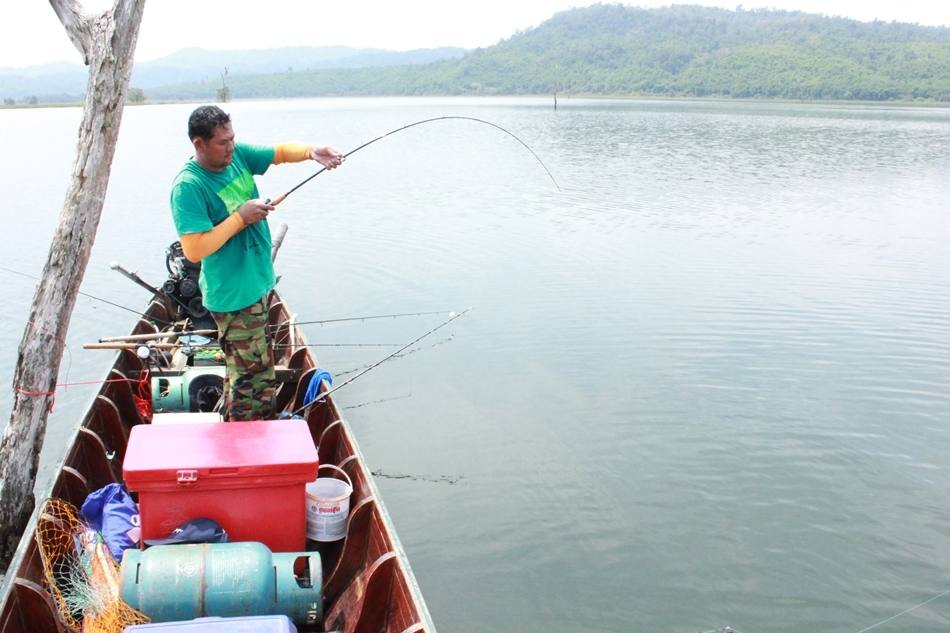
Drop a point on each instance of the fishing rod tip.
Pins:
(113, 265)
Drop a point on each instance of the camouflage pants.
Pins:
(249, 384)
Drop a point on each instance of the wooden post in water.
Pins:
(107, 44)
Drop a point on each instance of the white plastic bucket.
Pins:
(328, 506)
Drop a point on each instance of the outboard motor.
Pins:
(182, 287)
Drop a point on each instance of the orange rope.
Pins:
(143, 399)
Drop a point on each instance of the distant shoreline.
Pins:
(922, 103)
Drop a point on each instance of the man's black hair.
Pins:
(204, 120)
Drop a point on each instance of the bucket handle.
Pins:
(339, 470)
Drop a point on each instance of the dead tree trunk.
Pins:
(107, 43)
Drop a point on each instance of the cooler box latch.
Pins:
(189, 476)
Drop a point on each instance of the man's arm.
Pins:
(297, 152)
(291, 153)
(197, 246)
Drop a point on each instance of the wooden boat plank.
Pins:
(352, 604)
(353, 558)
(119, 390)
(107, 423)
(71, 485)
(35, 612)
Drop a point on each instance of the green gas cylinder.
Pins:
(180, 582)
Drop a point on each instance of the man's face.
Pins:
(216, 152)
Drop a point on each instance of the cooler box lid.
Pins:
(230, 455)
(247, 624)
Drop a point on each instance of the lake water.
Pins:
(707, 383)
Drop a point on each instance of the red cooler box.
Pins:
(247, 476)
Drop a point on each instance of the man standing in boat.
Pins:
(223, 224)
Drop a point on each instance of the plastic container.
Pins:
(328, 506)
(250, 624)
(170, 583)
(247, 476)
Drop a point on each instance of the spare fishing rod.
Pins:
(362, 318)
(283, 197)
(380, 362)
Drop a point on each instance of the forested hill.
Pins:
(679, 50)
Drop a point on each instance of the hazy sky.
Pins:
(31, 33)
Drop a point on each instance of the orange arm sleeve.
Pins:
(291, 153)
(197, 246)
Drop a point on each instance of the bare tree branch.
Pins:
(70, 13)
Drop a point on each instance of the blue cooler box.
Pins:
(249, 624)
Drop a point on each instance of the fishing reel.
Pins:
(182, 287)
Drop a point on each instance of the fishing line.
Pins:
(905, 612)
(85, 294)
(323, 396)
(371, 402)
(410, 352)
(441, 479)
(283, 197)
(338, 345)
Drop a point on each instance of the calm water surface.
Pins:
(704, 384)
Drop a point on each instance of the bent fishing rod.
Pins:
(283, 197)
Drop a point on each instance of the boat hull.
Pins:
(369, 585)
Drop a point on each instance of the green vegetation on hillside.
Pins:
(672, 51)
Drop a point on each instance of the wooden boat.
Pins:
(368, 583)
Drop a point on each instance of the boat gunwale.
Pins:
(403, 560)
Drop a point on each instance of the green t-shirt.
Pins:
(240, 272)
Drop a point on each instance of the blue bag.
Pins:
(111, 511)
